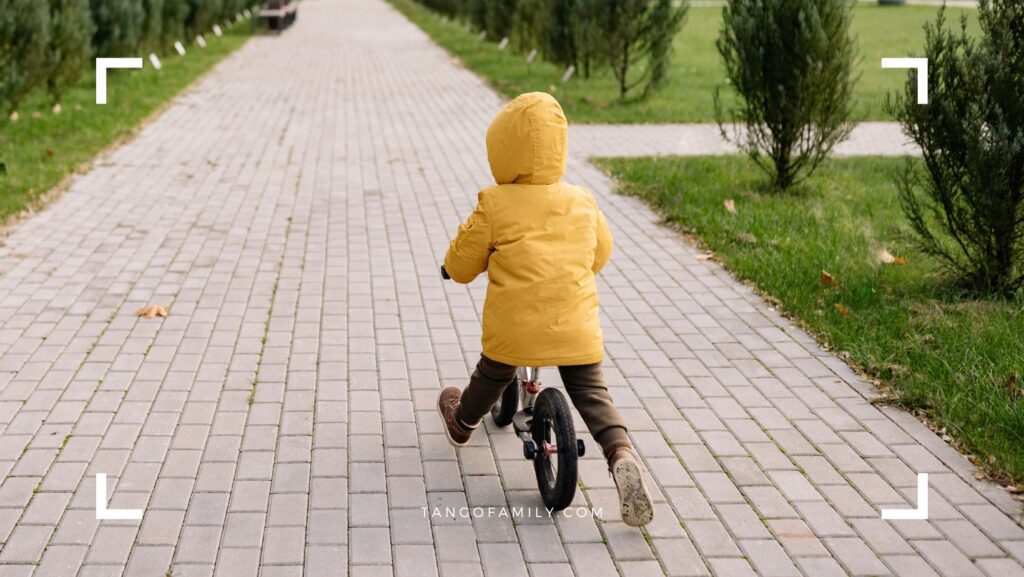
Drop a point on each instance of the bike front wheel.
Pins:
(556, 460)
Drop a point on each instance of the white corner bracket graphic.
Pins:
(918, 514)
(104, 514)
(102, 65)
(921, 64)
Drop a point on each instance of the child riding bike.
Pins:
(542, 243)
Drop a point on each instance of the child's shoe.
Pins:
(634, 500)
(457, 432)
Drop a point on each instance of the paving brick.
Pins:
(768, 558)
(946, 558)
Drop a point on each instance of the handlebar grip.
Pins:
(444, 273)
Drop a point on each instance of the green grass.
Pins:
(948, 357)
(43, 148)
(696, 66)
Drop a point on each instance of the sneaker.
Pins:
(634, 500)
(447, 402)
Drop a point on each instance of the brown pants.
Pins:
(584, 383)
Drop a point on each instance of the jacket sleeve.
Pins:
(604, 243)
(469, 250)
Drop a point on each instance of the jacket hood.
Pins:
(526, 142)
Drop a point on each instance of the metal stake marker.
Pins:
(179, 48)
(217, 31)
(503, 43)
(155, 61)
(201, 41)
(568, 73)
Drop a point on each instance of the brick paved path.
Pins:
(291, 210)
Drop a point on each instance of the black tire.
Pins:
(552, 422)
(507, 405)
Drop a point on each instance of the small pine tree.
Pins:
(24, 37)
(202, 15)
(557, 34)
(586, 32)
(174, 15)
(499, 17)
(528, 24)
(636, 40)
(966, 206)
(568, 34)
(477, 10)
(791, 63)
(152, 24)
(70, 48)
(119, 26)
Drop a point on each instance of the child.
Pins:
(542, 242)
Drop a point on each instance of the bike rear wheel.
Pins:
(556, 461)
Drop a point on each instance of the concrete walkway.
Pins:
(291, 210)
(590, 140)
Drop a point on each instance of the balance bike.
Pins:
(543, 422)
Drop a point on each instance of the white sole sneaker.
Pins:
(634, 499)
(447, 433)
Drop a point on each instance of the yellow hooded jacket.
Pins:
(540, 240)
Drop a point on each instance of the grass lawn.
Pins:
(696, 67)
(43, 148)
(951, 358)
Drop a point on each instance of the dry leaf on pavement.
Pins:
(705, 256)
(152, 311)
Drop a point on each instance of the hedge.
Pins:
(48, 44)
(631, 38)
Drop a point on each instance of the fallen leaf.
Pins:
(1011, 385)
(37, 115)
(730, 205)
(705, 256)
(843, 310)
(152, 311)
(827, 279)
(747, 238)
(15, 116)
(57, 108)
(49, 152)
(885, 257)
